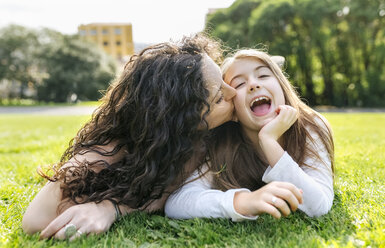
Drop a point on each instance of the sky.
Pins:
(152, 20)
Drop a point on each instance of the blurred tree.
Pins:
(76, 69)
(17, 54)
(288, 35)
(231, 25)
(317, 21)
(60, 67)
(334, 50)
(366, 41)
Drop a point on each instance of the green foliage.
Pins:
(230, 25)
(17, 55)
(357, 217)
(61, 68)
(338, 44)
(74, 67)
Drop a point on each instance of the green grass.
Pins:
(356, 219)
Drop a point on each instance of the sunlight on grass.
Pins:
(356, 219)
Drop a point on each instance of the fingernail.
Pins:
(300, 190)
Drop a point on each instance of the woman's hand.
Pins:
(286, 116)
(275, 198)
(88, 218)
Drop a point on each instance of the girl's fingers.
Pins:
(279, 197)
(281, 205)
(288, 114)
(284, 114)
(289, 186)
(288, 196)
(269, 209)
(281, 110)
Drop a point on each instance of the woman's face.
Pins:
(258, 92)
(221, 95)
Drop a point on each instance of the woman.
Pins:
(130, 155)
(279, 141)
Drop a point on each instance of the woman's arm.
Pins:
(42, 213)
(89, 218)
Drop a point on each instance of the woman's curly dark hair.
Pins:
(152, 112)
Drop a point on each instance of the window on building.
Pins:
(105, 31)
(118, 31)
(118, 43)
(93, 32)
(82, 32)
(105, 43)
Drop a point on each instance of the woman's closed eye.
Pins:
(220, 98)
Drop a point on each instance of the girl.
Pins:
(278, 140)
(130, 155)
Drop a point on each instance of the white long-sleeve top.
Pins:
(198, 199)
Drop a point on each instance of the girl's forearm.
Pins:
(271, 149)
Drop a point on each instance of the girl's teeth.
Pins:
(259, 99)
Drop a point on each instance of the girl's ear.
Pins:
(279, 60)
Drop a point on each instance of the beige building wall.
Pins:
(114, 38)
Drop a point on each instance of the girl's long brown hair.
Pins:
(232, 157)
(150, 115)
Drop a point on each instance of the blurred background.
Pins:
(69, 51)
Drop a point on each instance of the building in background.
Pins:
(114, 38)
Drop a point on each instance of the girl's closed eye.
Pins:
(262, 72)
(239, 85)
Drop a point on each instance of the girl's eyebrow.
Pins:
(240, 75)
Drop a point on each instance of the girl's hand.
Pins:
(275, 198)
(286, 116)
(88, 218)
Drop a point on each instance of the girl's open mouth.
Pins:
(260, 106)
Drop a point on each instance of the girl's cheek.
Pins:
(236, 102)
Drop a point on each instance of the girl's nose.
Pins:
(253, 85)
(228, 92)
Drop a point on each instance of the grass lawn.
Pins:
(357, 218)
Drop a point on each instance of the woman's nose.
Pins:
(228, 92)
